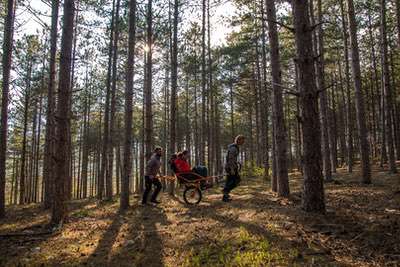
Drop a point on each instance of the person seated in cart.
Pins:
(181, 162)
(184, 170)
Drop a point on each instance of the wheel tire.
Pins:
(190, 190)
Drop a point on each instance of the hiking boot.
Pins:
(155, 201)
(226, 198)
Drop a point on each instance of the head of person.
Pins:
(158, 151)
(185, 154)
(239, 140)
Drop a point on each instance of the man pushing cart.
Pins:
(193, 180)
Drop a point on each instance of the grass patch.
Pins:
(240, 249)
(83, 213)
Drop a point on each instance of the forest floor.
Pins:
(361, 228)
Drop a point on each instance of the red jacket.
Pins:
(182, 166)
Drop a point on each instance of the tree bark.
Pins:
(264, 101)
(355, 64)
(279, 116)
(22, 192)
(323, 103)
(59, 211)
(313, 194)
(174, 86)
(203, 87)
(148, 129)
(6, 63)
(127, 167)
(387, 90)
(375, 82)
(348, 103)
(104, 152)
(85, 153)
(37, 156)
(111, 145)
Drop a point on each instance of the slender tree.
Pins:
(48, 162)
(6, 63)
(106, 128)
(279, 117)
(127, 167)
(109, 177)
(323, 103)
(59, 210)
(388, 107)
(203, 86)
(264, 94)
(174, 86)
(313, 194)
(360, 113)
(349, 117)
(148, 118)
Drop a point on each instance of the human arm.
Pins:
(231, 166)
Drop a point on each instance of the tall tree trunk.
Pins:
(174, 86)
(203, 86)
(264, 101)
(279, 116)
(342, 117)
(211, 100)
(104, 152)
(333, 138)
(187, 120)
(13, 179)
(6, 64)
(348, 103)
(22, 193)
(85, 153)
(355, 64)
(395, 126)
(323, 103)
(118, 165)
(196, 114)
(313, 194)
(375, 84)
(127, 167)
(48, 161)
(59, 211)
(16, 182)
(111, 145)
(148, 129)
(32, 159)
(37, 156)
(387, 90)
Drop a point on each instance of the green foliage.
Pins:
(242, 249)
(250, 169)
(84, 213)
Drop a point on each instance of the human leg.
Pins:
(157, 190)
(147, 185)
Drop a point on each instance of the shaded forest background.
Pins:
(96, 90)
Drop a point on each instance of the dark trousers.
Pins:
(148, 182)
(232, 181)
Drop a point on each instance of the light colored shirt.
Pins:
(231, 164)
(153, 166)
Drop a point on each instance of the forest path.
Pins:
(361, 228)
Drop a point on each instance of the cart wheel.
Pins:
(192, 195)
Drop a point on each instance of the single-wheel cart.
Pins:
(192, 194)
